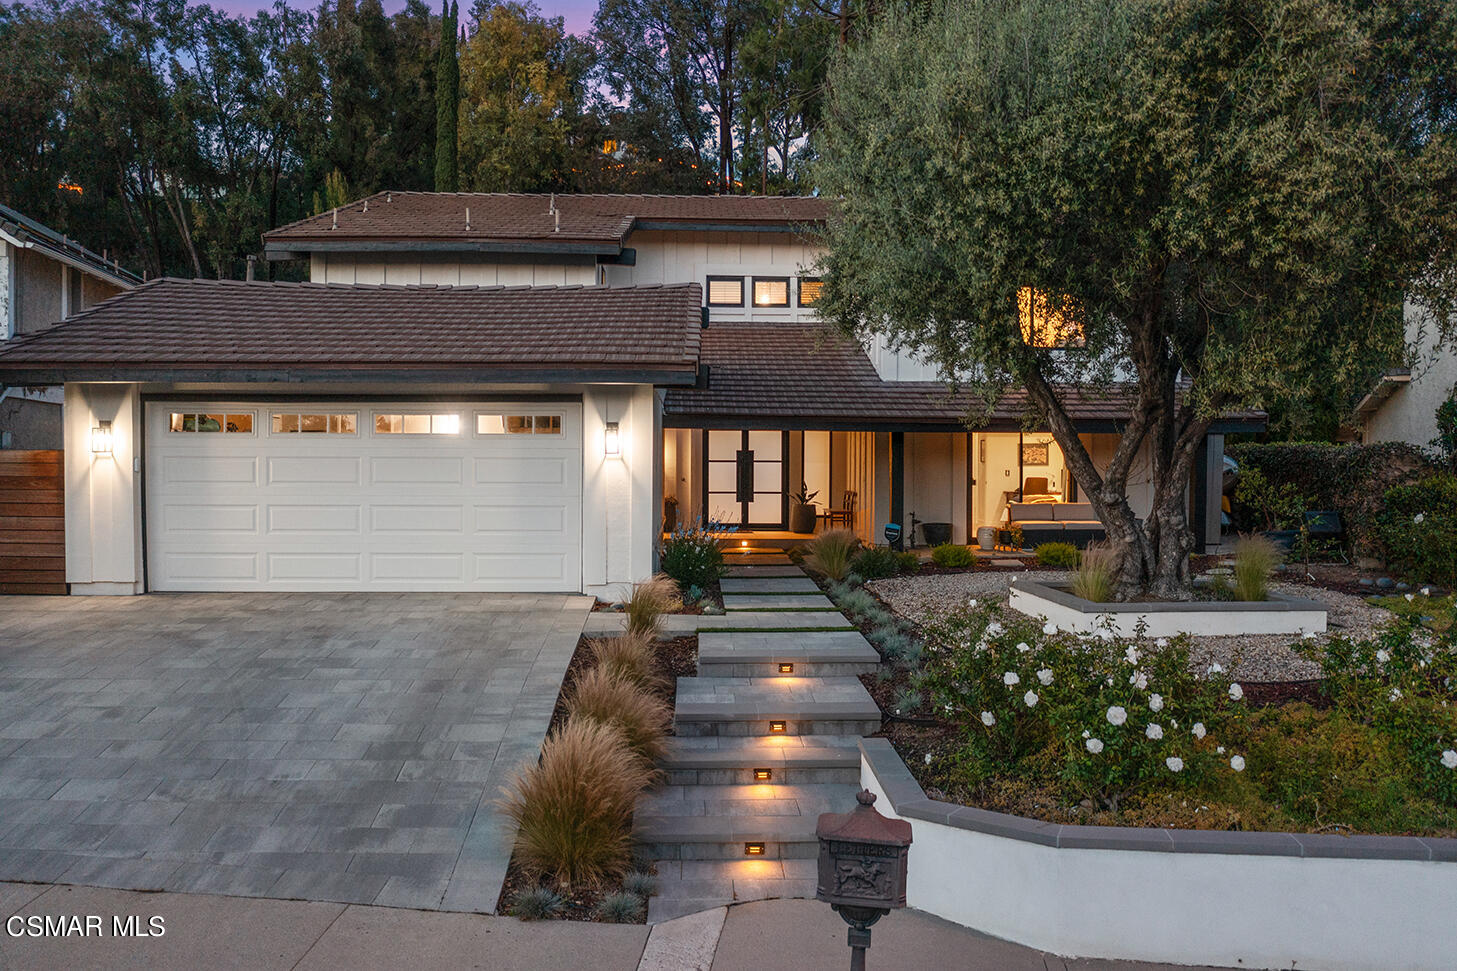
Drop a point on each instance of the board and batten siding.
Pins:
(442, 269)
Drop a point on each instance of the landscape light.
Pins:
(777, 727)
(785, 667)
(762, 775)
(753, 849)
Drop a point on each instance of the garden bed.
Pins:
(1278, 614)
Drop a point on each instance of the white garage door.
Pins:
(364, 496)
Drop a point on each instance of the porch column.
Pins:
(898, 483)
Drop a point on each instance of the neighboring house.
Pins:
(1402, 404)
(497, 392)
(44, 279)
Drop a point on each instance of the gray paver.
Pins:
(777, 601)
(342, 747)
(768, 585)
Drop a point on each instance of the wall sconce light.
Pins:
(101, 438)
(611, 441)
(778, 727)
(762, 775)
(786, 667)
(753, 849)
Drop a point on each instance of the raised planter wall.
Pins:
(1278, 615)
(1253, 900)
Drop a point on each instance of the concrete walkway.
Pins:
(342, 747)
(203, 931)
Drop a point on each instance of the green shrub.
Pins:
(573, 806)
(1093, 579)
(908, 562)
(859, 603)
(536, 903)
(830, 553)
(1062, 556)
(619, 908)
(651, 599)
(1255, 558)
(953, 555)
(640, 884)
(1418, 530)
(693, 556)
(876, 562)
(603, 696)
(907, 701)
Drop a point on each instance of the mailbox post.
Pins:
(862, 871)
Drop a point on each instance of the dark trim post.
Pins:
(898, 483)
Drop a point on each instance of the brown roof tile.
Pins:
(510, 217)
(203, 327)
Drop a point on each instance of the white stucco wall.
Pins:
(1410, 414)
(103, 492)
(1184, 908)
(446, 269)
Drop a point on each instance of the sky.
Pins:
(577, 13)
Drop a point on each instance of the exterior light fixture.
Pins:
(785, 667)
(778, 727)
(101, 438)
(611, 441)
(753, 849)
(762, 775)
(744, 544)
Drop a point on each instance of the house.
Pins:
(1402, 403)
(44, 278)
(498, 392)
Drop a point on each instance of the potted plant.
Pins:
(802, 513)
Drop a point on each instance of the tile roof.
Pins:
(32, 233)
(211, 329)
(803, 376)
(502, 217)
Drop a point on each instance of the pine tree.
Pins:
(447, 102)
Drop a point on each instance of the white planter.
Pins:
(1278, 615)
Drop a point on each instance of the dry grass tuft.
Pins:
(830, 553)
(606, 698)
(1093, 578)
(573, 809)
(649, 601)
(631, 657)
(1255, 558)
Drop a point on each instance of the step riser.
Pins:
(728, 851)
(848, 775)
(760, 727)
(802, 669)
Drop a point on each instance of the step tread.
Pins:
(763, 800)
(771, 646)
(812, 699)
(795, 751)
(768, 585)
(724, 829)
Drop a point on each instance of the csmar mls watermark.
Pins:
(85, 925)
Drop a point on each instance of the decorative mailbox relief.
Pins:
(862, 871)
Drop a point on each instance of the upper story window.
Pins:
(438, 424)
(346, 423)
(771, 291)
(725, 291)
(194, 422)
(1044, 327)
(518, 424)
(810, 288)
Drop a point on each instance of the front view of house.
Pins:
(515, 393)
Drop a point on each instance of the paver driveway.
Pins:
(343, 747)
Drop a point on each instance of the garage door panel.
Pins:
(313, 470)
(363, 510)
(313, 519)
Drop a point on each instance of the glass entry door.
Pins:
(746, 477)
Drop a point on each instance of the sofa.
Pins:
(1056, 522)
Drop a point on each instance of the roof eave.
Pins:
(303, 248)
(54, 374)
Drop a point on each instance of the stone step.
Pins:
(605, 623)
(691, 886)
(760, 799)
(746, 654)
(802, 759)
(767, 556)
(774, 706)
(761, 571)
(770, 585)
(777, 601)
(726, 837)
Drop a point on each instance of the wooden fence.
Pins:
(32, 522)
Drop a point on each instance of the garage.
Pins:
(337, 495)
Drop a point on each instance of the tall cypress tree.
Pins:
(447, 101)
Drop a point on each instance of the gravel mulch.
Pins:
(1248, 658)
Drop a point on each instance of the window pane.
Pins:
(416, 424)
(767, 445)
(313, 423)
(210, 423)
(242, 424)
(548, 424)
(518, 424)
(723, 507)
(809, 291)
(445, 424)
(285, 424)
(767, 507)
(387, 425)
(771, 293)
(342, 424)
(722, 476)
(768, 476)
(726, 292)
(723, 444)
(490, 425)
(180, 421)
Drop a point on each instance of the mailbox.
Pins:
(862, 872)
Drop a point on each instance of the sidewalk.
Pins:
(255, 933)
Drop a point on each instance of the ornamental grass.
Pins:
(573, 808)
(630, 657)
(650, 600)
(831, 552)
(609, 699)
(1093, 578)
(1255, 558)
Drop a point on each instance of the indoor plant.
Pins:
(802, 513)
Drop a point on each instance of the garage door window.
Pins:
(346, 423)
(518, 424)
(437, 424)
(187, 421)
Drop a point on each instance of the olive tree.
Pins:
(1198, 190)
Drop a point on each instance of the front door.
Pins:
(747, 478)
